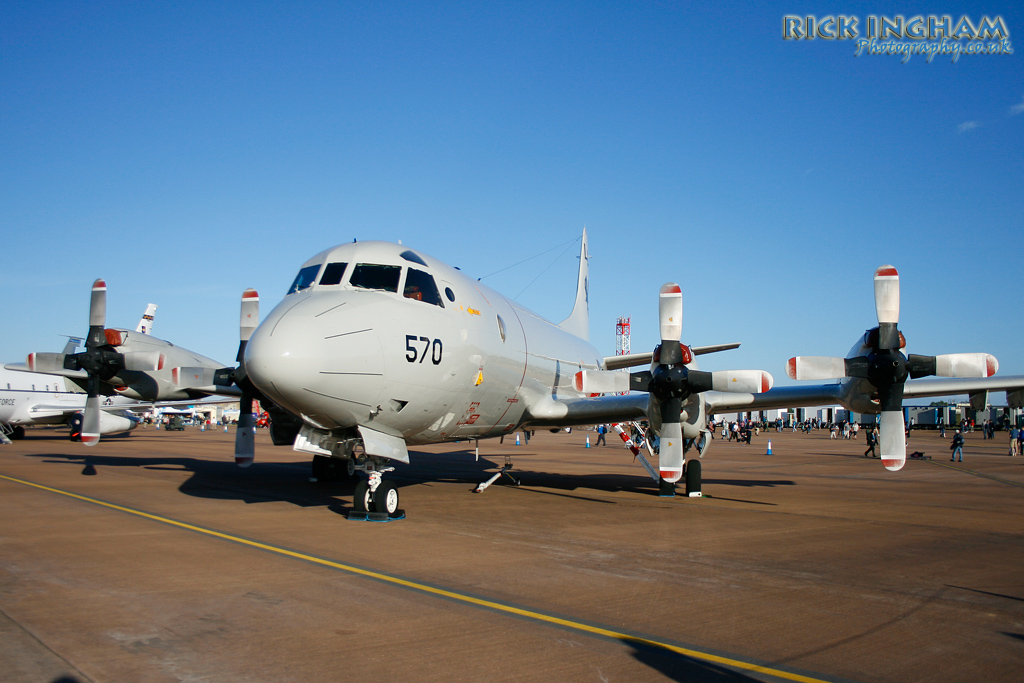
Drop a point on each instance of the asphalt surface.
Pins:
(153, 558)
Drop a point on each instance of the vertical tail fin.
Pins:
(146, 323)
(578, 322)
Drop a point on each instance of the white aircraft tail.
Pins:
(578, 322)
(146, 323)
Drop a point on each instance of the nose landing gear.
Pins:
(374, 499)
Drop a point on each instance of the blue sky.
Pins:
(186, 151)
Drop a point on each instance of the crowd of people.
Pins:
(743, 431)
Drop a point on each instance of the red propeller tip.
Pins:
(250, 294)
(765, 384)
(671, 288)
(791, 368)
(99, 285)
(991, 366)
(90, 439)
(886, 271)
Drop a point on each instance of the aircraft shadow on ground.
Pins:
(262, 483)
(290, 482)
(678, 667)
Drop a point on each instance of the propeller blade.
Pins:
(601, 382)
(670, 312)
(887, 295)
(91, 418)
(966, 365)
(670, 453)
(816, 367)
(892, 440)
(97, 316)
(245, 438)
(193, 378)
(743, 381)
(250, 314)
(46, 362)
(98, 304)
(144, 361)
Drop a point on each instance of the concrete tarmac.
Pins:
(152, 557)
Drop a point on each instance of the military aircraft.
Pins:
(120, 362)
(377, 347)
(28, 398)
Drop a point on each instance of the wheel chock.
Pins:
(363, 516)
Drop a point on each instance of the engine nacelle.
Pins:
(693, 417)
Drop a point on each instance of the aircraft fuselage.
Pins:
(379, 336)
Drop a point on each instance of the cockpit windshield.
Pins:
(421, 287)
(304, 279)
(372, 276)
(333, 274)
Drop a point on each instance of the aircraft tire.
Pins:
(692, 476)
(361, 496)
(18, 433)
(385, 498)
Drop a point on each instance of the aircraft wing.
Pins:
(60, 372)
(829, 394)
(777, 397)
(552, 412)
(555, 412)
(41, 410)
(633, 360)
(916, 388)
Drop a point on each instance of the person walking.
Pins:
(601, 431)
(1014, 433)
(957, 447)
(872, 438)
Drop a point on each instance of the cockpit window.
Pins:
(370, 276)
(304, 279)
(420, 286)
(332, 274)
(410, 255)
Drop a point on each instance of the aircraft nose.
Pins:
(318, 359)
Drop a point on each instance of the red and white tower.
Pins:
(622, 337)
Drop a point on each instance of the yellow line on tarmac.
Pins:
(424, 588)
